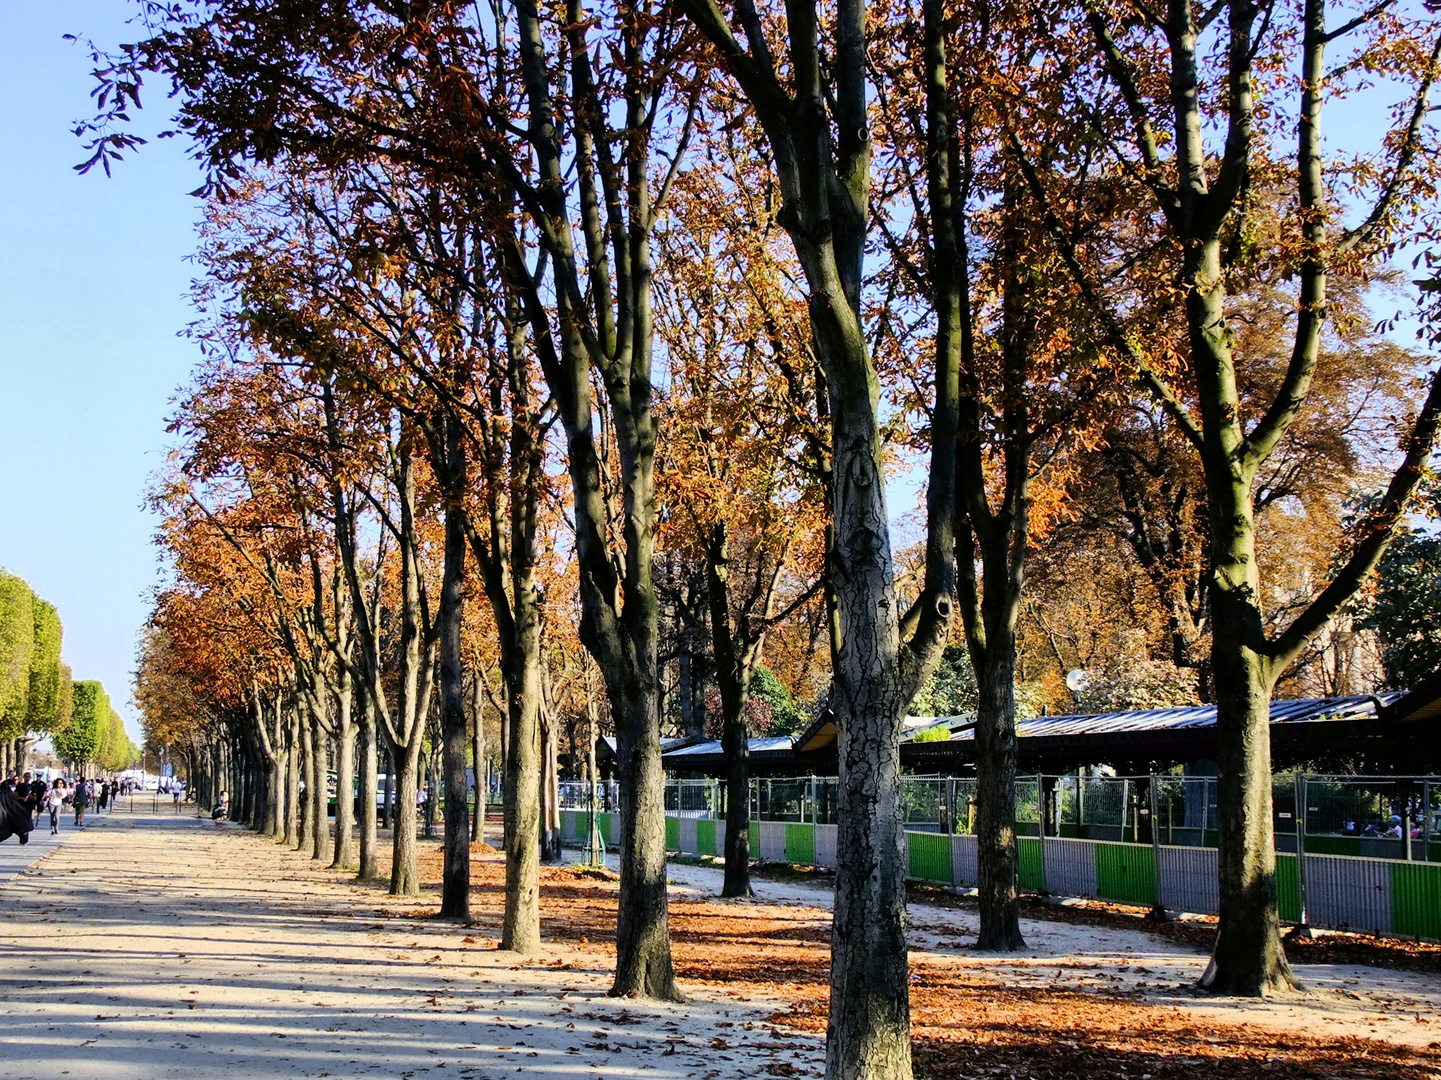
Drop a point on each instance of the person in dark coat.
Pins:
(80, 800)
(14, 817)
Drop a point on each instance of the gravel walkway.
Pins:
(151, 946)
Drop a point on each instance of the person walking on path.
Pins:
(81, 800)
(104, 800)
(54, 799)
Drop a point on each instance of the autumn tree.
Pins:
(737, 497)
(1207, 114)
(817, 128)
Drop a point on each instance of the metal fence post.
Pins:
(1125, 804)
(1158, 907)
(1043, 821)
(1205, 807)
(1403, 793)
(1300, 782)
(1426, 820)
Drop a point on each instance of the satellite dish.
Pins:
(1077, 679)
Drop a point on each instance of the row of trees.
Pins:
(38, 696)
(35, 685)
(618, 315)
(95, 735)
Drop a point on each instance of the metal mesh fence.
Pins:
(1387, 817)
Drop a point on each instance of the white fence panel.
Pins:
(963, 862)
(773, 841)
(686, 839)
(826, 846)
(1345, 893)
(1187, 878)
(1070, 867)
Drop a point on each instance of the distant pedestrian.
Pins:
(80, 800)
(104, 797)
(54, 799)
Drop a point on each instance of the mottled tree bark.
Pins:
(368, 869)
(520, 929)
(344, 853)
(454, 721)
(817, 126)
(293, 763)
(322, 847)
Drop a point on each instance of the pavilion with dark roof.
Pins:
(1376, 734)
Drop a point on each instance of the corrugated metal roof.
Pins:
(757, 746)
(665, 743)
(1175, 719)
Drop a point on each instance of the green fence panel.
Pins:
(1288, 888)
(705, 836)
(607, 831)
(755, 839)
(672, 834)
(800, 843)
(1416, 899)
(1126, 872)
(1028, 855)
(930, 856)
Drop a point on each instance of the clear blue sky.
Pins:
(93, 280)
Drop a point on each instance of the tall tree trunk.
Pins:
(520, 931)
(550, 846)
(369, 868)
(1000, 919)
(277, 760)
(305, 841)
(477, 752)
(692, 724)
(735, 745)
(454, 722)
(504, 748)
(1248, 958)
(404, 866)
(292, 779)
(344, 856)
(643, 960)
(321, 844)
(271, 798)
(736, 650)
(869, 1031)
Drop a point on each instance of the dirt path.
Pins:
(155, 947)
(1399, 1007)
(159, 947)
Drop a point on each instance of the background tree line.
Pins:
(38, 697)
